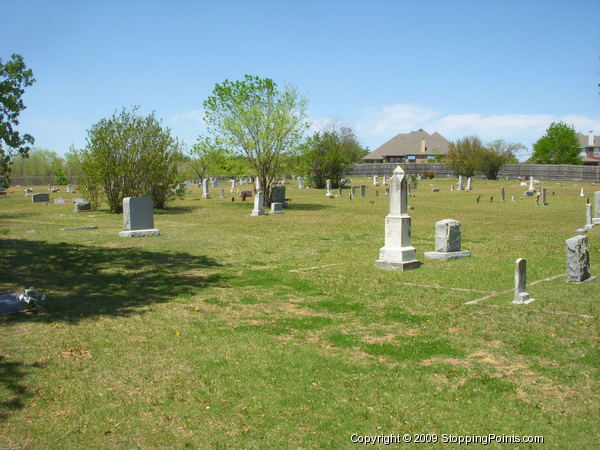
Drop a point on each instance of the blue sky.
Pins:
(498, 69)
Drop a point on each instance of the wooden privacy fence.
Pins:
(540, 171)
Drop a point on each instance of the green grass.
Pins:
(232, 331)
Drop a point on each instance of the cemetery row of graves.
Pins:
(466, 307)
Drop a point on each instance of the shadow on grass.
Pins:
(176, 210)
(85, 281)
(307, 206)
(14, 391)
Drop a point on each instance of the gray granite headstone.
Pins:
(447, 241)
(276, 208)
(41, 197)
(352, 191)
(138, 219)
(82, 206)
(578, 259)
(59, 201)
(363, 191)
(278, 195)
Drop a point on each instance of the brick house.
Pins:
(590, 149)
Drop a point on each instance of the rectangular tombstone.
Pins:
(137, 213)
(276, 208)
(578, 259)
(82, 206)
(363, 191)
(39, 198)
(59, 201)
(278, 195)
(447, 241)
(259, 199)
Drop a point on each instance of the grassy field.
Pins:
(231, 331)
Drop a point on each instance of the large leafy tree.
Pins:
(14, 78)
(327, 155)
(462, 157)
(558, 146)
(255, 118)
(130, 155)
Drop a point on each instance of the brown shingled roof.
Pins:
(410, 144)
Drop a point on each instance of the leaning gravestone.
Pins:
(578, 259)
(138, 218)
(447, 241)
(39, 198)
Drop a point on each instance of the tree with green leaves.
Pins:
(59, 177)
(462, 155)
(327, 154)
(208, 157)
(130, 155)
(255, 118)
(14, 78)
(39, 162)
(559, 145)
(508, 149)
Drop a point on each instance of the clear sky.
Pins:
(498, 69)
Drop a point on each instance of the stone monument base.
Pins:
(139, 233)
(587, 280)
(391, 265)
(447, 255)
(522, 298)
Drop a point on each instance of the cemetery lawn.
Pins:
(232, 331)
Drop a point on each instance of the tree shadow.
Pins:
(83, 281)
(169, 210)
(11, 376)
(307, 206)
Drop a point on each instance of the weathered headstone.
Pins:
(363, 191)
(259, 199)
(59, 201)
(205, 192)
(582, 194)
(222, 193)
(578, 259)
(512, 198)
(28, 192)
(328, 194)
(375, 182)
(214, 182)
(69, 188)
(233, 182)
(352, 191)
(460, 183)
(544, 197)
(596, 218)
(82, 206)
(276, 208)
(138, 217)
(447, 241)
(278, 195)
(469, 183)
(40, 198)
(530, 184)
(451, 188)
(502, 195)
(521, 296)
(589, 224)
(397, 252)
